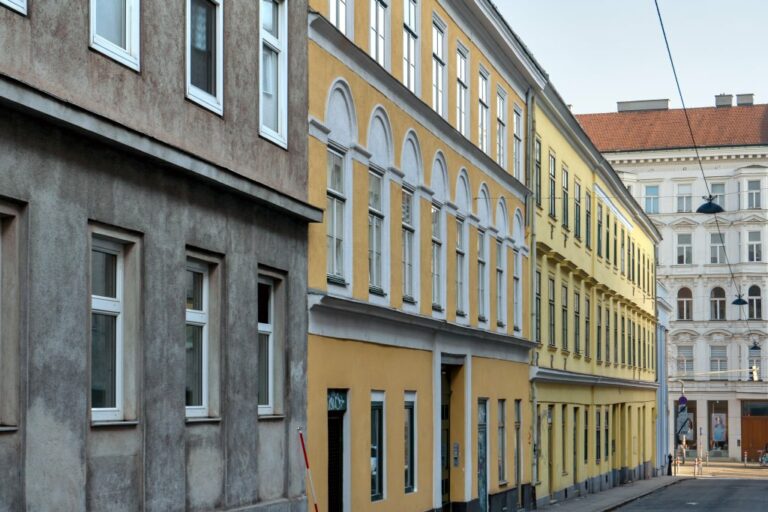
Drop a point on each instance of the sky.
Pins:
(598, 52)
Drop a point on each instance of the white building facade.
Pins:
(706, 262)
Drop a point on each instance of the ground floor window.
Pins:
(717, 412)
(685, 425)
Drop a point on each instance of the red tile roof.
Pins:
(667, 129)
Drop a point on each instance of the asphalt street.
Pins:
(710, 494)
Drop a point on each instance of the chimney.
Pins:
(743, 100)
(724, 100)
(637, 105)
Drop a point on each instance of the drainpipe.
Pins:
(530, 100)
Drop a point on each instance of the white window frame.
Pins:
(213, 103)
(501, 439)
(482, 275)
(517, 291)
(684, 362)
(718, 362)
(279, 137)
(269, 329)
(483, 109)
(651, 201)
(754, 195)
(380, 396)
(684, 198)
(686, 248)
(335, 8)
(130, 55)
(716, 248)
(755, 304)
(376, 217)
(200, 318)
(461, 261)
(518, 156)
(112, 306)
(409, 253)
(378, 40)
(501, 128)
(718, 197)
(340, 201)
(754, 247)
(501, 284)
(437, 257)
(19, 6)
(462, 90)
(439, 65)
(411, 398)
(411, 38)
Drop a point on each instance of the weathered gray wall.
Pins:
(57, 460)
(48, 49)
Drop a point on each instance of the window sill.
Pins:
(337, 280)
(552, 348)
(501, 324)
(8, 429)
(577, 355)
(202, 419)
(117, 423)
(408, 299)
(503, 483)
(437, 307)
(482, 319)
(461, 313)
(271, 417)
(565, 352)
(375, 290)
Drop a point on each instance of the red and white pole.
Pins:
(309, 472)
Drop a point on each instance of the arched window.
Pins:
(411, 166)
(483, 213)
(717, 304)
(684, 304)
(438, 232)
(755, 302)
(462, 263)
(755, 354)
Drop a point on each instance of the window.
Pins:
(615, 242)
(718, 193)
(616, 337)
(597, 435)
(537, 170)
(518, 440)
(437, 248)
(599, 229)
(563, 435)
(651, 199)
(461, 255)
(502, 440)
(410, 442)
(205, 50)
(107, 361)
(375, 228)
(274, 68)
(586, 435)
(718, 361)
(753, 195)
(755, 303)
(599, 337)
(17, 5)
(438, 68)
(577, 322)
(378, 31)
(10, 314)
(481, 276)
(607, 238)
(501, 129)
(410, 42)
(754, 246)
(606, 431)
(378, 448)
(717, 248)
(408, 240)
(684, 198)
(334, 218)
(538, 306)
(500, 285)
(577, 210)
(588, 220)
(755, 356)
(339, 15)
(196, 392)
(462, 91)
(684, 359)
(483, 111)
(564, 316)
(565, 197)
(115, 29)
(517, 292)
(587, 326)
(519, 145)
(269, 351)
(552, 186)
(684, 304)
(608, 333)
(684, 249)
(551, 316)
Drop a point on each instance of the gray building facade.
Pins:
(153, 249)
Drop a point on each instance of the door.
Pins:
(445, 437)
(482, 453)
(550, 450)
(754, 435)
(336, 409)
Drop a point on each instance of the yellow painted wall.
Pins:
(339, 364)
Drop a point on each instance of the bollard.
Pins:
(745, 458)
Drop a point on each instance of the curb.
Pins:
(635, 498)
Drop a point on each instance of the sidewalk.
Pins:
(613, 498)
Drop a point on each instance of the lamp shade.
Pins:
(710, 207)
(739, 301)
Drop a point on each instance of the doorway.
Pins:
(446, 372)
(337, 408)
(482, 453)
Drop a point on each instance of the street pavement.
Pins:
(721, 486)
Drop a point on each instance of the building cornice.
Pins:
(688, 155)
(18, 96)
(550, 375)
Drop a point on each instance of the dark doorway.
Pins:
(337, 405)
(445, 435)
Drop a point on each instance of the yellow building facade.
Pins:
(593, 375)
(420, 325)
